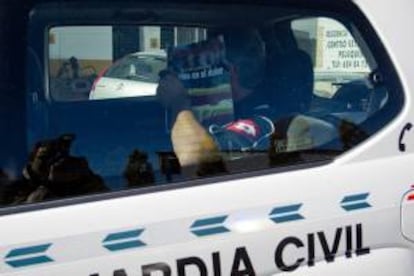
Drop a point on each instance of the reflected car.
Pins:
(134, 75)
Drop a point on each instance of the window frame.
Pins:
(391, 109)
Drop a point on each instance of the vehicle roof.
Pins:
(31, 2)
(28, 4)
(165, 4)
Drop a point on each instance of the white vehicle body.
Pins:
(353, 216)
(127, 84)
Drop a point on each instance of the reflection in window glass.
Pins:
(132, 106)
(90, 62)
(336, 56)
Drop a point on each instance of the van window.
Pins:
(337, 58)
(117, 103)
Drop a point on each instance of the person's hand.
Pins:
(191, 142)
(172, 93)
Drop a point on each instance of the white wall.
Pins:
(93, 42)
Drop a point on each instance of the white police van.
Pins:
(314, 139)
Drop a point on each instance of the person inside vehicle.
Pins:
(192, 143)
(253, 95)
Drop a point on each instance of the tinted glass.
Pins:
(194, 95)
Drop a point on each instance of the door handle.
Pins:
(406, 128)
